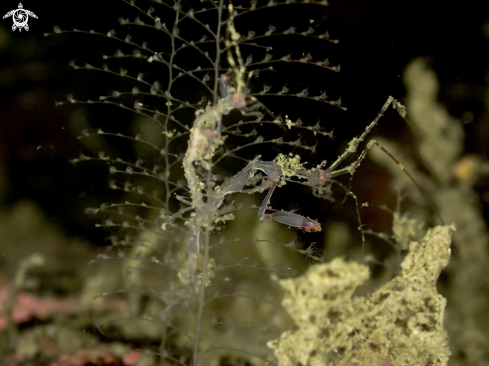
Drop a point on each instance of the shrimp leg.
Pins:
(288, 218)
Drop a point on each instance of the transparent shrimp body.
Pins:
(274, 174)
(288, 218)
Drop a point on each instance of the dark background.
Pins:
(377, 40)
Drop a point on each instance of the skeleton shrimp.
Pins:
(320, 180)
